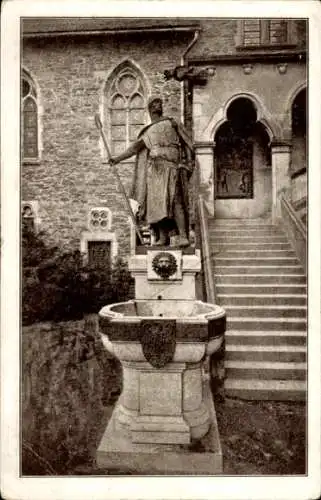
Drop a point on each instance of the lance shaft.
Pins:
(120, 184)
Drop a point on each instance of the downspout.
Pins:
(184, 84)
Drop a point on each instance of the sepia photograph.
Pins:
(163, 247)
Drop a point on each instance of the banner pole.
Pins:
(120, 184)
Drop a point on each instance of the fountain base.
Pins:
(164, 421)
(199, 457)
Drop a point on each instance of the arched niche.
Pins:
(271, 126)
(299, 132)
(242, 152)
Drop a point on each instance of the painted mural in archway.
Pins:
(243, 185)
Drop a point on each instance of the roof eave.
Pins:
(126, 31)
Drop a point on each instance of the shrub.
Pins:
(58, 286)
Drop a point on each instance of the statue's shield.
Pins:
(158, 340)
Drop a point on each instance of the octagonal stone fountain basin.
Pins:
(161, 345)
(199, 327)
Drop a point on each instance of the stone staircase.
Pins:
(262, 287)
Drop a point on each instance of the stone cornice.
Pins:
(198, 70)
(200, 145)
(269, 55)
(280, 143)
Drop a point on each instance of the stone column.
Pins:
(281, 155)
(205, 156)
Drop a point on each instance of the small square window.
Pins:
(99, 254)
(265, 33)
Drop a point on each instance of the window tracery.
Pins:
(29, 136)
(126, 109)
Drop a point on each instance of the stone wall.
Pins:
(68, 383)
(270, 91)
(299, 165)
(299, 188)
(222, 37)
(70, 74)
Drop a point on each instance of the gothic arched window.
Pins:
(126, 111)
(29, 108)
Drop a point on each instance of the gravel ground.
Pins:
(257, 438)
(262, 437)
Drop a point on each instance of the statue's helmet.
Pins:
(155, 105)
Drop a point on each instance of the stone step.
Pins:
(265, 324)
(262, 278)
(262, 287)
(272, 390)
(278, 353)
(244, 222)
(249, 246)
(258, 289)
(246, 239)
(272, 311)
(255, 261)
(261, 299)
(256, 268)
(244, 227)
(241, 231)
(250, 254)
(264, 370)
(271, 338)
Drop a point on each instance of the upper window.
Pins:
(126, 109)
(267, 32)
(29, 136)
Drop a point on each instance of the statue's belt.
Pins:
(175, 165)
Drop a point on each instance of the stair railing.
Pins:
(207, 263)
(202, 237)
(295, 230)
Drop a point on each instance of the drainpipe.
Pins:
(184, 84)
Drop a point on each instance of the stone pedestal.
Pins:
(180, 285)
(163, 405)
(205, 157)
(281, 155)
(200, 457)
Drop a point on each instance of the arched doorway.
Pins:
(299, 147)
(243, 187)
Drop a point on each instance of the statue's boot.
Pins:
(162, 239)
(183, 242)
